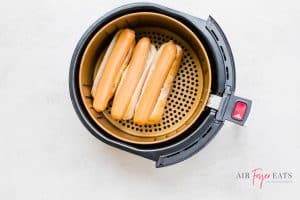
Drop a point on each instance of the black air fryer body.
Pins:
(212, 118)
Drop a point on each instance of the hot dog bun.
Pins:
(133, 78)
(156, 77)
(98, 64)
(113, 64)
(157, 113)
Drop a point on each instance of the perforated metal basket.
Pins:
(201, 97)
(190, 89)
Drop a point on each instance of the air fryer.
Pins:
(202, 95)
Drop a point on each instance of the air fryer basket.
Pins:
(202, 96)
(190, 89)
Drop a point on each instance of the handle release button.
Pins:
(239, 111)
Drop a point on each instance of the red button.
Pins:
(239, 111)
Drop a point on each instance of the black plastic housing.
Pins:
(206, 127)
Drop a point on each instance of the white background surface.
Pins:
(46, 153)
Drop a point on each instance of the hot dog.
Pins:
(163, 69)
(111, 68)
(157, 113)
